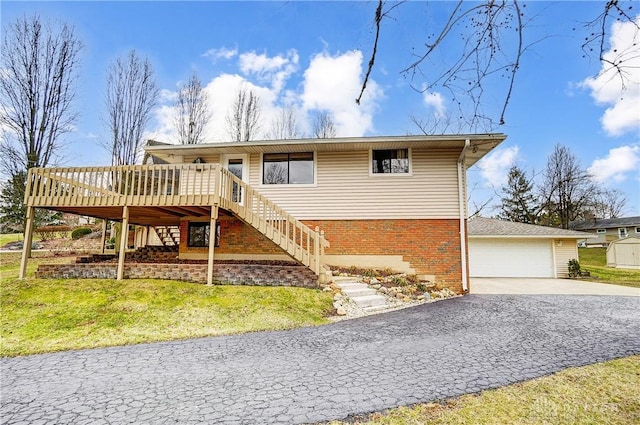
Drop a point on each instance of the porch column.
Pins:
(103, 239)
(26, 247)
(124, 236)
(212, 243)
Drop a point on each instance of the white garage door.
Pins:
(510, 258)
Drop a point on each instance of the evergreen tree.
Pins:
(518, 200)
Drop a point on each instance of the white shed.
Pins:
(624, 253)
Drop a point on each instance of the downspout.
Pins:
(463, 216)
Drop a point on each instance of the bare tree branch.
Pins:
(323, 126)
(595, 42)
(284, 126)
(131, 96)
(193, 113)
(37, 88)
(243, 121)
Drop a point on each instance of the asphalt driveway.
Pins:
(428, 352)
(529, 286)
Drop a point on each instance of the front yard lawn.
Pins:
(603, 393)
(44, 315)
(594, 260)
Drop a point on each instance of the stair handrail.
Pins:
(305, 244)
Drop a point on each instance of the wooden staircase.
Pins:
(168, 235)
(304, 244)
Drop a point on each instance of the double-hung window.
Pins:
(390, 161)
(288, 168)
(199, 233)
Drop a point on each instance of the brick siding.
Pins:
(236, 237)
(432, 247)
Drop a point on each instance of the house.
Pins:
(607, 230)
(372, 202)
(500, 248)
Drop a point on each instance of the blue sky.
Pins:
(312, 56)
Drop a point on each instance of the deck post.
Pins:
(103, 239)
(316, 250)
(212, 243)
(124, 236)
(26, 246)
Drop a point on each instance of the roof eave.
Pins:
(481, 144)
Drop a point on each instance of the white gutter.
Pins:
(463, 215)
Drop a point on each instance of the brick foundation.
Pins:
(236, 274)
(431, 247)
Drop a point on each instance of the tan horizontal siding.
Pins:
(563, 253)
(345, 190)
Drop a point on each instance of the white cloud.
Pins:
(616, 164)
(332, 83)
(274, 70)
(168, 95)
(221, 53)
(221, 92)
(494, 167)
(607, 88)
(435, 101)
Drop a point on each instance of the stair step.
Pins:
(358, 292)
(370, 301)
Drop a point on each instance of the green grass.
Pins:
(604, 393)
(594, 260)
(5, 238)
(44, 315)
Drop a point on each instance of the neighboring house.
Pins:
(607, 230)
(624, 253)
(372, 202)
(500, 248)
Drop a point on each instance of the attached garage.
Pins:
(506, 249)
(510, 258)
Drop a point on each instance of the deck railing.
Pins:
(176, 185)
(132, 185)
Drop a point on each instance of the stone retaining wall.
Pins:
(236, 274)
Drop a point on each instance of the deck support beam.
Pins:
(26, 246)
(212, 243)
(103, 238)
(124, 236)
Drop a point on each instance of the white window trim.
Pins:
(637, 229)
(391, 175)
(245, 163)
(622, 230)
(601, 231)
(315, 174)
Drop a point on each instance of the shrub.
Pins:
(49, 232)
(80, 232)
(574, 268)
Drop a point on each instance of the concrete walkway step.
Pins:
(357, 290)
(361, 294)
(370, 301)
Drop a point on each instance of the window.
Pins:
(390, 161)
(622, 232)
(637, 229)
(601, 231)
(199, 234)
(288, 168)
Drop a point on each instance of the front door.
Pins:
(237, 165)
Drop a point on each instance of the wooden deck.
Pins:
(160, 195)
